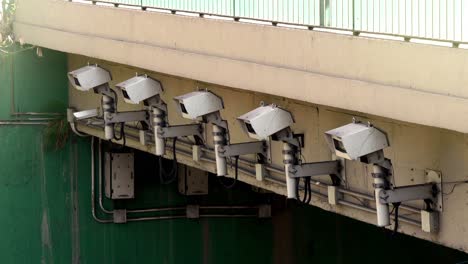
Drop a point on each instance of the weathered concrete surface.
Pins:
(410, 82)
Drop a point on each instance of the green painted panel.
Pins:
(46, 210)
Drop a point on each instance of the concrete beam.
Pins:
(405, 81)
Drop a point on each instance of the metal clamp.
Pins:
(379, 175)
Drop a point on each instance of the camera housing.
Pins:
(139, 89)
(265, 121)
(197, 104)
(89, 77)
(356, 140)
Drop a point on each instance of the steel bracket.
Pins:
(315, 169)
(255, 147)
(193, 211)
(181, 131)
(428, 191)
(123, 117)
(120, 216)
(215, 118)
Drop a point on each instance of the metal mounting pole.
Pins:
(383, 214)
(219, 141)
(289, 161)
(158, 122)
(108, 108)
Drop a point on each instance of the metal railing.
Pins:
(442, 20)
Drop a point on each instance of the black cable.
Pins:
(307, 190)
(396, 206)
(234, 181)
(116, 97)
(308, 183)
(455, 184)
(298, 183)
(122, 135)
(169, 177)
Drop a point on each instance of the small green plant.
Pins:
(7, 14)
(56, 134)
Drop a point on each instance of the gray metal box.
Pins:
(119, 175)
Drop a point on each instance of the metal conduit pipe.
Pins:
(36, 114)
(93, 209)
(228, 207)
(280, 171)
(371, 198)
(100, 179)
(370, 210)
(155, 210)
(152, 218)
(224, 216)
(22, 123)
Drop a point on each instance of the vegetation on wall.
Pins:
(56, 134)
(7, 14)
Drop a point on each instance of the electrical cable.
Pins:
(396, 206)
(308, 183)
(169, 177)
(307, 190)
(122, 136)
(236, 176)
(116, 97)
(455, 184)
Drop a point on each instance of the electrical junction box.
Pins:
(119, 175)
(192, 181)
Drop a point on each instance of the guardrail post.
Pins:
(353, 16)
(324, 9)
(234, 9)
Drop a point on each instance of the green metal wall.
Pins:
(46, 210)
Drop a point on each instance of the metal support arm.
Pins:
(410, 193)
(181, 131)
(232, 150)
(131, 116)
(315, 169)
(215, 118)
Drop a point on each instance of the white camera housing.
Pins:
(197, 104)
(356, 140)
(265, 121)
(89, 77)
(139, 89)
